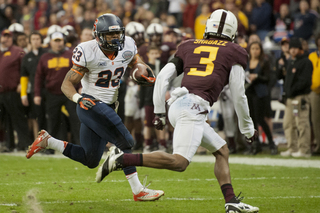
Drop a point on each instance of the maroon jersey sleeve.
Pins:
(207, 64)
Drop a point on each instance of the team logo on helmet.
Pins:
(95, 25)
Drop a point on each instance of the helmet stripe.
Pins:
(222, 21)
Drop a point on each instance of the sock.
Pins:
(228, 193)
(134, 182)
(131, 160)
(56, 144)
(148, 142)
(163, 143)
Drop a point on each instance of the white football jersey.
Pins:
(103, 79)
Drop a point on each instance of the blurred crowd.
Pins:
(31, 99)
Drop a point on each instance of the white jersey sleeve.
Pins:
(103, 79)
(167, 73)
(236, 84)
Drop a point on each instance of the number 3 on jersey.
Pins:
(207, 61)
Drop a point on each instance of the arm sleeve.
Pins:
(236, 84)
(167, 73)
(24, 85)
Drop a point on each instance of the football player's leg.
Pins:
(91, 149)
(217, 146)
(74, 121)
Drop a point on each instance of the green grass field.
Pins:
(46, 184)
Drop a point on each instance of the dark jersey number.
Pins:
(76, 54)
(105, 78)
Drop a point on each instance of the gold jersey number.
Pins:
(207, 61)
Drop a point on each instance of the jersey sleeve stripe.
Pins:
(77, 72)
(77, 65)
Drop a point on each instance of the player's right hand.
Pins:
(159, 121)
(87, 103)
(253, 138)
(147, 80)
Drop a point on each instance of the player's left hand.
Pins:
(159, 121)
(87, 103)
(148, 80)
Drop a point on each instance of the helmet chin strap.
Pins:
(117, 42)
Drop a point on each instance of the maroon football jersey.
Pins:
(207, 64)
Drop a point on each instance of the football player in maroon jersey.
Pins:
(208, 65)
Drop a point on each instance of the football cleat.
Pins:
(146, 194)
(240, 207)
(39, 144)
(110, 164)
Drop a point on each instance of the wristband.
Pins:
(76, 97)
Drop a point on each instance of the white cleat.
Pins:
(110, 164)
(240, 208)
(146, 194)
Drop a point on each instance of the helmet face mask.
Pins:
(108, 31)
(223, 24)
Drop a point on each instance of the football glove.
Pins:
(159, 121)
(87, 103)
(253, 138)
(149, 80)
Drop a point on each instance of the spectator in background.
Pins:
(13, 111)
(4, 21)
(146, 101)
(189, 14)
(315, 9)
(282, 62)
(261, 20)
(258, 77)
(86, 35)
(297, 85)
(277, 5)
(283, 24)
(41, 11)
(243, 22)
(88, 19)
(315, 95)
(176, 8)
(36, 114)
(21, 40)
(51, 70)
(200, 22)
(294, 6)
(247, 10)
(54, 7)
(304, 22)
(129, 10)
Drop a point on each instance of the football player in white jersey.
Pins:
(100, 64)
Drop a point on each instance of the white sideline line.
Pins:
(167, 180)
(168, 198)
(261, 161)
(287, 162)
